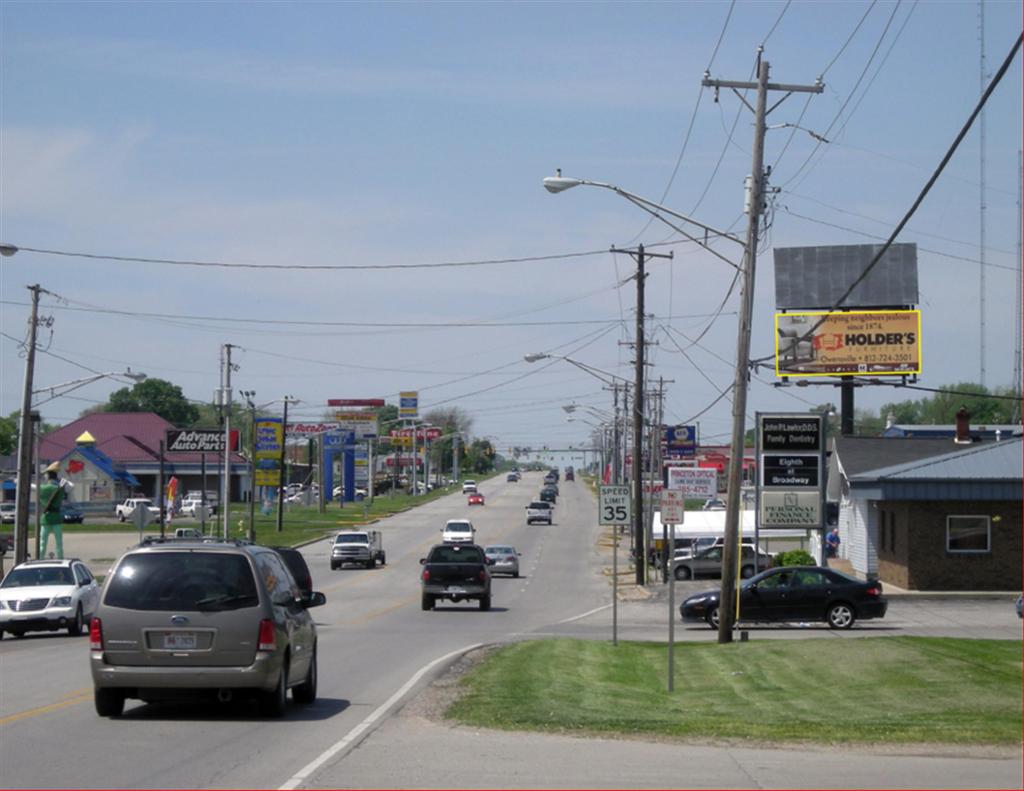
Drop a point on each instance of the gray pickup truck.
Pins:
(457, 572)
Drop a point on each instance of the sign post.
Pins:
(614, 508)
(673, 512)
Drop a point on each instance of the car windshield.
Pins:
(36, 577)
(351, 538)
(165, 581)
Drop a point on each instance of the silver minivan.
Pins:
(203, 618)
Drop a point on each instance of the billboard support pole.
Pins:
(846, 406)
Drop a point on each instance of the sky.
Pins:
(284, 136)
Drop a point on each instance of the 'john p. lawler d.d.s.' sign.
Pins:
(855, 343)
(791, 454)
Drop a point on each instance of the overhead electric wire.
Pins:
(853, 91)
(310, 267)
(922, 195)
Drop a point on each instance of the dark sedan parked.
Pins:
(795, 593)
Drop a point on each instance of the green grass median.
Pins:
(866, 690)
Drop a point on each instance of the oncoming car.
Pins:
(203, 619)
(47, 595)
(475, 499)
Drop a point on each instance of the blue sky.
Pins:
(393, 133)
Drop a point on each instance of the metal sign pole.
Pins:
(615, 584)
(672, 619)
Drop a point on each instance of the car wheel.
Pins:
(274, 703)
(515, 574)
(682, 573)
(747, 572)
(713, 617)
(841, 616)
(383, 559)
(19, 635)
(485, 602)
(121, 517)
(335, 566)
(109, 702)
(75, 627)
(371, 564)
(305, 693)
(427, 602)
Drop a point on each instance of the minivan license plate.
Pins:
(179, 641)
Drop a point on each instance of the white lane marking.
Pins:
(353, 735)
(584, 615)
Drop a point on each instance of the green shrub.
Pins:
(794, 557)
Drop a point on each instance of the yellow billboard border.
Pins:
(802, 374)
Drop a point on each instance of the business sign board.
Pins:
(693, 481)
(855, 343)
(269, 447)
(614, 505)
(421, 433)
(376, 403)
(311, 429)
(791, 478)
(362, 424)
(679, 441)
(198, 440)
(673, 506)
(408, 404)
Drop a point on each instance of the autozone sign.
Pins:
(198, 440)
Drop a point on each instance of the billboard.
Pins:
(808, 278)
(693, 481)
(269, 447)
(679, 441)
(854, 343)
(408, 404)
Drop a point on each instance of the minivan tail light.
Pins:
(268, 640)
(95, 635)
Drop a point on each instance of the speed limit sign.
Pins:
(614, 505)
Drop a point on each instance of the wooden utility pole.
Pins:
(25, 437)
(754, 205)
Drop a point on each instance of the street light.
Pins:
(128, 373)
(558, 183)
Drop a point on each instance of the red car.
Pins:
(476, 499)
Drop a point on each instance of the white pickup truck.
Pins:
(124, 510)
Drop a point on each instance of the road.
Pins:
(378, 651)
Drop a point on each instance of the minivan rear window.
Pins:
(165, 581)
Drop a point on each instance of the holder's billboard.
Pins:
(854, 343)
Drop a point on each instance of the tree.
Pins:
(155, 395)
(8, 434)
(941, 408)
(451, 421)
(480, 456)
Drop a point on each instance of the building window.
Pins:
(968, 534)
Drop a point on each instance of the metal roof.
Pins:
(987, 461)
(859, 454)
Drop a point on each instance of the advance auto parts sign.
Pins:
(199, 440)
(848, 344)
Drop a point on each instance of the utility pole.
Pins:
(25, 437)
(639, 544)
(249, 395)
(755, 204)
(225, 402)
(284, 466)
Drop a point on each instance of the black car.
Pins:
(298, 567)
(71, 514)
(548, 495)
(795, 593)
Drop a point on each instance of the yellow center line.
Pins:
(80, 696)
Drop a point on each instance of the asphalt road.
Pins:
(378, 651)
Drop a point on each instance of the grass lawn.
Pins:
(866, 690)
(300, 524)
